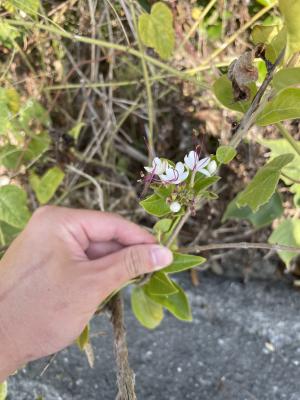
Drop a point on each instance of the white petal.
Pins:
(164, 178)
(203, 163)
(170, 172)
(188, 162)
(180, 167)
(182, 177)
(212, 167)
(204, 172)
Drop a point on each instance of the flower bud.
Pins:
(212, 167)
(175, 206)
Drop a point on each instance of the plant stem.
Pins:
(285, 133)
(249, 117)
(291, 179)
(125, 375)
(104, 44)
(241, 245)
(178, 228)
(231, 39)
(151, 150)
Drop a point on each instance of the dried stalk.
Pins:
(241, 245)
(125, 375)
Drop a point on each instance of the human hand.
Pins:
(57, 272)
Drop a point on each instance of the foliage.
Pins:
(156, 29)
(3, 390)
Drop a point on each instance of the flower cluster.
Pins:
(162, 171)
(178, 174)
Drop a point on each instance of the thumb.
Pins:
(130, 262)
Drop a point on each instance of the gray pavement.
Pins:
(243, 344)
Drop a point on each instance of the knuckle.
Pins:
(44, 210)
(133, 262)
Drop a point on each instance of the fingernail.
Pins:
(161, 257)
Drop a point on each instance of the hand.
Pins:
(57, 272)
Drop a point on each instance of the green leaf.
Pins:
(46, 186)
(8, 34)
(75, 131)
(176, 303)
(163, 225)
(3, 390)
(264, 184)
(160, 284)
(145, 4)
(266, 2)
(287, 233)
(290, 9)
(5, 113)
(276, 46)
(264, 33)
(282, 146)
(37, 146)
(7, 233)
(202, 182)
(264, 216)
(286, 77)
(286, 105)
(30, 7)
(155, 205)
(10, 156)
(84, 338)
(223, 91)
(296, 189)
(182, 262)
(156, 29)
(33, 111)
(225, 154)
(13, 206)
(146, 311)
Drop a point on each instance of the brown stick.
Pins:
(241, 245)
(250, 115)
(125, 375)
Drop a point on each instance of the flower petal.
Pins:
(204, 172)
(203, 163)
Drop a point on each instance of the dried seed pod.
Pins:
(241, 72)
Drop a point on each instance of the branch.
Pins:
(125, 375)
(241, 245)
(254, 108)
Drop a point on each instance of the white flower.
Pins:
(212, 167)
(193, 162)
(158, 166)
(175, 206)
(175, 175)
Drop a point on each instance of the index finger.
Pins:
(97, 226)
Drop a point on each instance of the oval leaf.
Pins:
(13, 206)
(3, 390)
(287, 233)
(146, 311)
(286, 77)
(225, 154)
(155, 205)
(264, 216)
(160, 284)
(182, 262)
(286, 105)
(290, 9)
(223, 91)
(176, 303)
(264, 184)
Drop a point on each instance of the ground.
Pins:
(243, 344)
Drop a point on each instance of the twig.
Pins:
(178, 228)
(251, 113)
(231, 39)
(125, 375)
(241, 245)
(95, 183)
